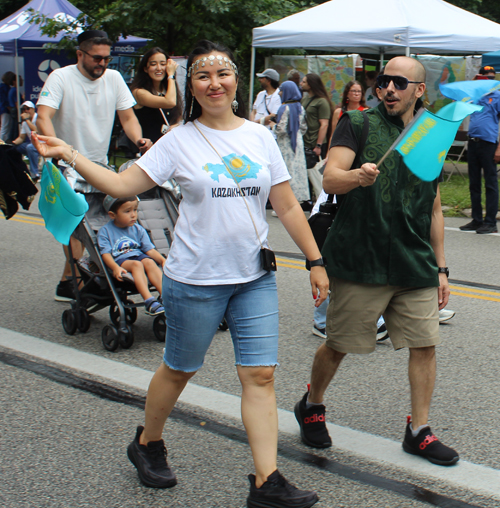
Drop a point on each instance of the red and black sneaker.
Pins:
(427, 445)
(312, 422)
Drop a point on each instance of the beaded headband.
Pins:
(221, 60)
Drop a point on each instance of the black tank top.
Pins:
(151, 121)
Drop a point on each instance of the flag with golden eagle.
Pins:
(61, 207)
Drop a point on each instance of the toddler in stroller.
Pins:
(125, 247)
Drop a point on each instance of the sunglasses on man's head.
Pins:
(400, 82)
(97, 58)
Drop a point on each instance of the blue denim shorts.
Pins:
(193, 315)
(139, 257)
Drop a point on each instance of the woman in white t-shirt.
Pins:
(227, 168)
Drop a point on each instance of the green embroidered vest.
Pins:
(381, 234)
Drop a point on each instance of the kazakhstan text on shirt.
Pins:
(422, 131)
(228, 192)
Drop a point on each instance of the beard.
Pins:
(94, 72)
(400, 107)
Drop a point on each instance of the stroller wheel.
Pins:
(160, 328)
(109, 337)
(223, 325)
(130, 314)
(126, 338)
(69, 321)
(83, 320)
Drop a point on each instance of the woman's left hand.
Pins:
(171, 67)
(319, 282)
(51, 147)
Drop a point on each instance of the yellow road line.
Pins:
(27, 220)
(478, 297)
(295, 264)
(480, 291)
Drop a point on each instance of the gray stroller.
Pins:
(94, 286)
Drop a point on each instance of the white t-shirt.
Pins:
(214, 240)
(85, 108)
(266, 104)
(25, 128)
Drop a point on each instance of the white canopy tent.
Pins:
(395, 27)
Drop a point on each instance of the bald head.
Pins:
(411, 68)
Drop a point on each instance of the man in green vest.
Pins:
(384, 255)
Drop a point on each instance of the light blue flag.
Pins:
(425, 144)
(61, 207)
(469, 91)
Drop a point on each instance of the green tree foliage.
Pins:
(486, 8)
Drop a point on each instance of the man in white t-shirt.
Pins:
(23, 141)
(268, 101)
(78, 104)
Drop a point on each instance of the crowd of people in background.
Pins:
(291, 128)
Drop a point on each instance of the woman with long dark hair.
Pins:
(159, 102)
(353, 97)
(219, 264)
(319, 111)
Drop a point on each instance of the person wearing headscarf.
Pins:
(289, 128)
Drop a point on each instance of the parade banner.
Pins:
(335, 71)
(38, 64)
(441, 70)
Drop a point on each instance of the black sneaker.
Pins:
(427, 445)
(151, 462)
(471, 226)
(312, 423)
(276, 492)
(382, 333)
(487, 229)
(319, 332)
(64, 291)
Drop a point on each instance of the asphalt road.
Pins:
(62, 446)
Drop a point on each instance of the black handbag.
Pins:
(321, 222)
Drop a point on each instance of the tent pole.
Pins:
(18, 93)
(381, 61)
(252, 74)
(407, 51)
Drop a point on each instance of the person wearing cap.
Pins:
(79, 102)
(483, 152)
(268, 101)
(23, 141)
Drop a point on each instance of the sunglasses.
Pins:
(400, 83)
(97, 59)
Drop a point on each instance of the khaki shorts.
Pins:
(411, 316)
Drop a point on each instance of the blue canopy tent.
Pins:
(492, 59)
(22, 44)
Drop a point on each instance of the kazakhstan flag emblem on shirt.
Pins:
(240, 168)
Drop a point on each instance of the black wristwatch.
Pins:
(317, 262)
(444, 269)
(319, 145)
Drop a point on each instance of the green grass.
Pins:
(456, 195)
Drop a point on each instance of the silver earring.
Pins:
(191, 110)
(234, 104)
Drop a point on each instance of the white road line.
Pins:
(481, 479)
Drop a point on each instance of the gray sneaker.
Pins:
(445, 315)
